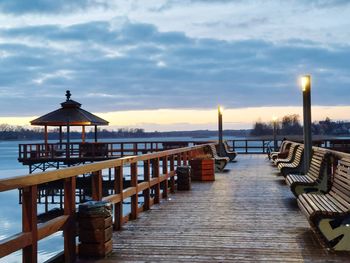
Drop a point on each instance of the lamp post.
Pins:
(306, 88)
(221, 150)
(274, 120)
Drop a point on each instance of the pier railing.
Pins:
(159, 170)
(90, 151)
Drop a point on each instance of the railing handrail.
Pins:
(155, 181)
(49, 176)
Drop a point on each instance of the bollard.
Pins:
(95, 229)
(183, 178)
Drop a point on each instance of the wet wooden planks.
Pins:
(247, 215)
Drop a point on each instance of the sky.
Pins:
(167, 65)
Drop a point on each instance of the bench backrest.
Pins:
(298, 155)
(317, 165)
(341, 182)
(283, 146)
(291, 152)
(227, 148)
(213, 151)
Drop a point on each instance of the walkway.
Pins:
(247, 215)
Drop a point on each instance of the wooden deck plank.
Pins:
(247, 215)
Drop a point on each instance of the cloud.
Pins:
(328, 3)
(134, 66)
(46, 6)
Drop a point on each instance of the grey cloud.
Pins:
(46, 6)
(328, 3)
(138, 67)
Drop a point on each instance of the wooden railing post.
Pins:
(121, 149)
(134, 198)
(146, 178)
(165, 172)
(96, 185)
(178, 159)
(172, 178)
(29, 223)
(69, 231)
(184, 156)
(118, 188)
(155, 174)
(135, 148)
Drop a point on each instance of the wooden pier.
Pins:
(247, 215)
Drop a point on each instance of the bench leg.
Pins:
(219, 165)
(338, 238)
(318, 188)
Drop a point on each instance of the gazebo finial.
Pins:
(68, 95)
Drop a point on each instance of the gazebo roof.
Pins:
(70, 114)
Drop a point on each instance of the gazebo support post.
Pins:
(60, 137)
(68, 140)
(83, 134)
(46, 140)
(95, 133)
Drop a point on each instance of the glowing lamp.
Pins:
(305, 82)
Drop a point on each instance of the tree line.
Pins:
(290, 125)
(11, 132)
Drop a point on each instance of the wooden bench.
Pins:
(272, 155)
(228, 153)
(296, 166)
(316, 179)
(329, 214)
(220, 162)
(291, 154)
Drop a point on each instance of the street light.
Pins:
(221, 148)
(306, 88)
(274, 120)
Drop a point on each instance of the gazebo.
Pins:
(70, 114)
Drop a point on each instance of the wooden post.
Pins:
(178, 159)
(96, 185)
(60, 137)
(95, 133)
(146, 178)
(172, 169)
(118, 188)
(155, 174)
(134, 198)
(83, 134)
(46, 141)
(135, 148)
(68, 141)
(29, 223)
(69, 231)
(184, 157)
(165, 172)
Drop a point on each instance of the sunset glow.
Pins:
(190, 119)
